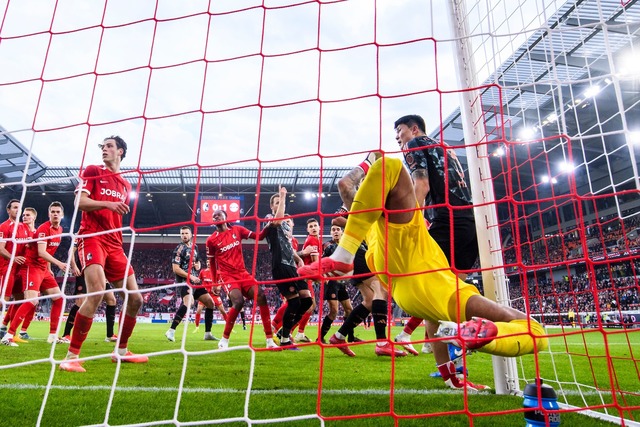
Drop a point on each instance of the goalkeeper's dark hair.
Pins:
(410, 120)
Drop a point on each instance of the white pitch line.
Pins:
(19, 386)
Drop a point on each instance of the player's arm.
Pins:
(72, 261)
(420, 185)
(7, 255)
(348, 185)
(87, 204)
(180, 272)
(42, 253)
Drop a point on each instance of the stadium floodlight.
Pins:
(307, 195)
(592, 91)
(132, 195)
(633, 137)
(527, 133)
(499, 152)
(552, 118)
(627, 63)
(566, 166)
(544, 179)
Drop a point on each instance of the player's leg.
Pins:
(290, 313)
(27, 306)
(357, 316)
(405, 335)
(379, 307)
(307, 307)
(197, 317)
(237, 304)
(133, 300)
(50, 287)
(205, 300)
(110, 315)
(265, 315)
(511, 336)
(331, 297)
(187, 301)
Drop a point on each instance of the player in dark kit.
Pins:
(104, 199)
(283, 267)
(185, 262)
(224, 251)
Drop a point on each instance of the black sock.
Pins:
(178, 317)
(379, 313)
(290, 316)
(244, 322)
(355, 318)
(110, 315)
(326, 325)
(70, 320)
(208, 319)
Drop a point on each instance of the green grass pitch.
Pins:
(289, 385)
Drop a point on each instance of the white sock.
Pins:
(122, 351)
(340, 336)
(342, 255)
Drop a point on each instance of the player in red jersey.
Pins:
(310, 253)
(104, 199)
(224, 252)
(213, 290)
(11, 231)
(37, 277)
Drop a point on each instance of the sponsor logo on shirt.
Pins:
(113, 193)
(229, 246)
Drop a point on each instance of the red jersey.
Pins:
(294, 244)
(224, 248)
(311, 241)
(103, 185)
(6, 233)
(206, 279)
(31, 253)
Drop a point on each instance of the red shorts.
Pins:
(242, 281)
(14, 284)
(217, 301)
(94, 250)
(37, 279)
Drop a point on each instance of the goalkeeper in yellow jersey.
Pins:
(413, 267)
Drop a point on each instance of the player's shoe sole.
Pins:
(389, 350)
(129, 358)
(8, 343)
(340, 345)
(326, 267)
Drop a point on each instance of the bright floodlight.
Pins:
(132, 195)
(566, 166)
(544, 179)
(307, 195)
(499, 152)
(527, 133)
(634, 137)
(592, 91)
(552, 118)
(627, 63)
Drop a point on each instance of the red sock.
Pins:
(265, 314)
(127, 329)
(28, 319)
(411, 325)
(232, 315)
(197, 319)
(54, 318)
(19, 316)
(224, 316)
(303, 322)
(277, 320)
(11, 311)
(81, 328)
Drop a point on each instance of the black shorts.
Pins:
(335, 291)
(186, 290)
(360, 267)
(465, 243)
(282, 272)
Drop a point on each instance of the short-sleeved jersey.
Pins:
(53, 242)
(7, 229)
(103, 185)
(224, 248)
(444, 171)
(279, 243)
(311, 241)
(181, 256)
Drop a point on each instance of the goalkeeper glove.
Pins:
(369, 160)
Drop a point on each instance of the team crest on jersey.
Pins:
(41, 235)
(177, 258)
(409, 159)
(233, 235)
(89, 257)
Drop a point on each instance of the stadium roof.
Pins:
(526, 91)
